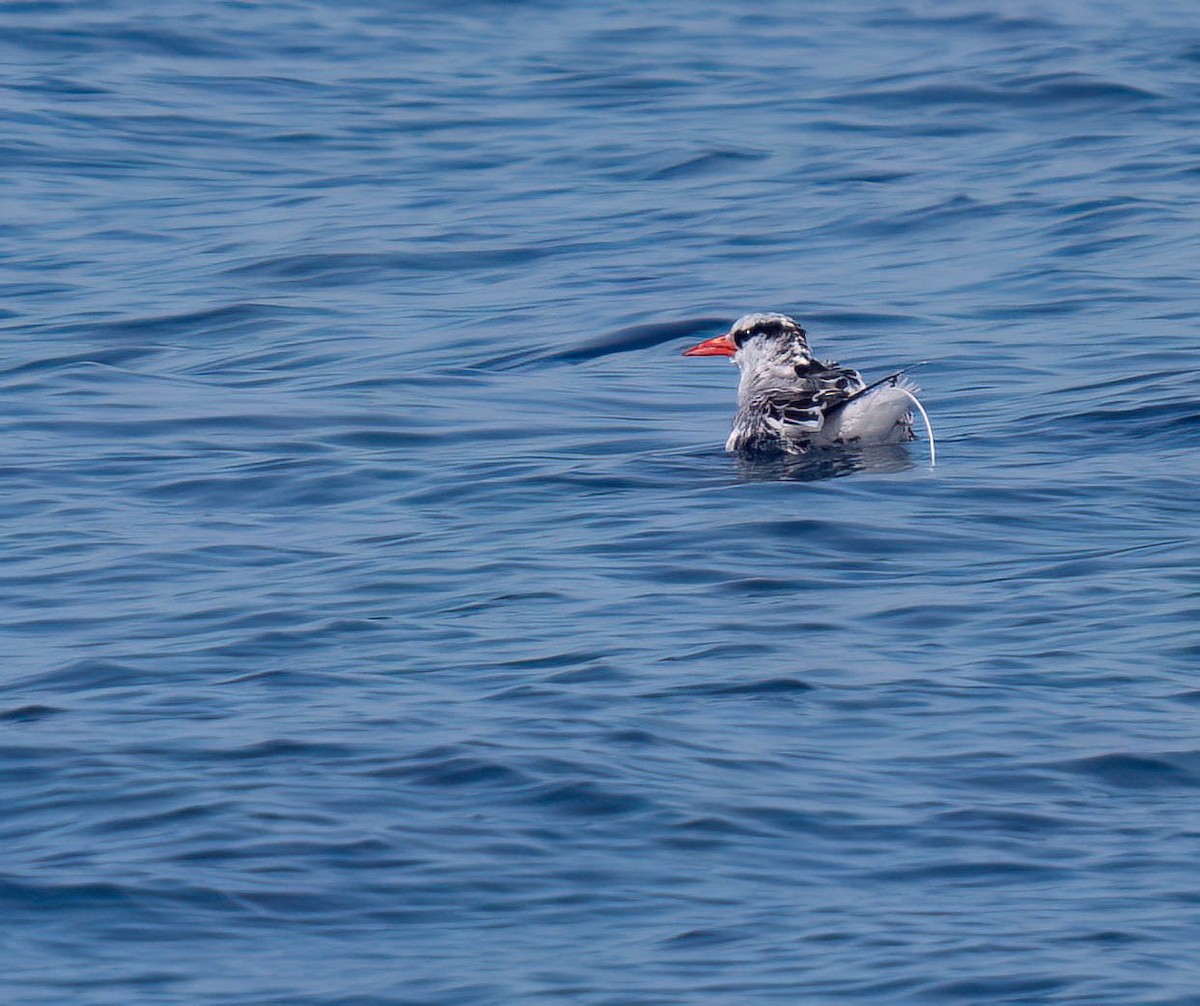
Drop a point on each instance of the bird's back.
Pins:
(788, 411)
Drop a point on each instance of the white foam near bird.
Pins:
(788, 401)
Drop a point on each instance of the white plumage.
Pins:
(788, 401)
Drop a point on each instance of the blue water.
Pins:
(383, 622)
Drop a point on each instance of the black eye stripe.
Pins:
(772, 329)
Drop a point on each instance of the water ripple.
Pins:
(385, 621)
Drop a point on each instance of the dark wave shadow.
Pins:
(824, 463)
(623, 340)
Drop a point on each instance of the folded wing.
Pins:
(798, 410)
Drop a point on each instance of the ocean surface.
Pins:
(383, 622)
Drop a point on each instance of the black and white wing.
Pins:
(798, 411)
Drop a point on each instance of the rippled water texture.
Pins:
(383, 621)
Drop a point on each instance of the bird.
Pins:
(789, 401)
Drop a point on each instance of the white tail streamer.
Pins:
(928, 425)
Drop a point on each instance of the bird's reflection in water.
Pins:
(823, 463)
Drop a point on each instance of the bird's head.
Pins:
(757, 340)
